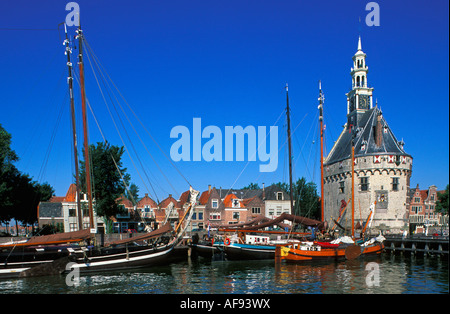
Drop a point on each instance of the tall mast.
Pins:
(85, 128)
(353, 188)
(74, 131)
(290, 148)
(321, 98)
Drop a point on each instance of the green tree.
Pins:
(19, 195)
(132, 194)
(7, 172)
(442, 202)
(251, 186)
(107, 181)
(306, 198)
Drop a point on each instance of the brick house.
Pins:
(421, 209)
(231, 206)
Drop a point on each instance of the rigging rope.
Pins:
(117, 129)
(137, 118)
(254, 154)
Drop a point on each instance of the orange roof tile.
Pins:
(204, 197)
(167, 201)
(71, 194)
(184, 197)
(227, 201)
(122, 200)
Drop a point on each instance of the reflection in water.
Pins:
(395, 275)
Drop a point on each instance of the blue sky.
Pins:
(226, 62)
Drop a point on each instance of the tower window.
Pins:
(341, 187)
(364, 181)
(395, 184)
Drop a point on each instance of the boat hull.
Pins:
(89, 261)
(123, 259)
(14, 262)
(238, 251)
(299, 255)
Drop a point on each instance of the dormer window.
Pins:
(215, 203)
(280, 196)
(235, 202)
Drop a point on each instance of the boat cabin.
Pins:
(254, 239)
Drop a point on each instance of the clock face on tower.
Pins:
(363, 102)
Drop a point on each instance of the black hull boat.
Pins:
(238, 251)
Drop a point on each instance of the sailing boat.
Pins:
(245, 245)
(344, 247)
(44, 255)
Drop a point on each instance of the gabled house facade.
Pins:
(421, 209)
(61, 212)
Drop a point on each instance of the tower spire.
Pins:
(359, 44)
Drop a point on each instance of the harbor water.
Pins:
(386, 274)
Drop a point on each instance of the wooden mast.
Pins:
(85, 128)
(321, 98)
(353, 189)
(74, 131)
(290, 148)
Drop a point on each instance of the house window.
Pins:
(236, 203)
(72, 212)
(394, 184)
(416, 199)
(200, 215)
(341, 187)
(214, 216)
(432, 197)
(256, 210)
(73, 227)
(236, 215)
(279, 196)
(364, 181)
(215, 203)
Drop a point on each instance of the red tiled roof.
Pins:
(71, 193)
(167, 201)
(248, 200)
(184, 197)
(227, 201)
(122, 200)
(146, 200)
(204, 197)
(57, 199)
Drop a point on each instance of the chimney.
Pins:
(379, 131)
(146, 195)
(209, 188)
(170, 195)
(264, 193)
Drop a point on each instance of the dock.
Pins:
(424, 245)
